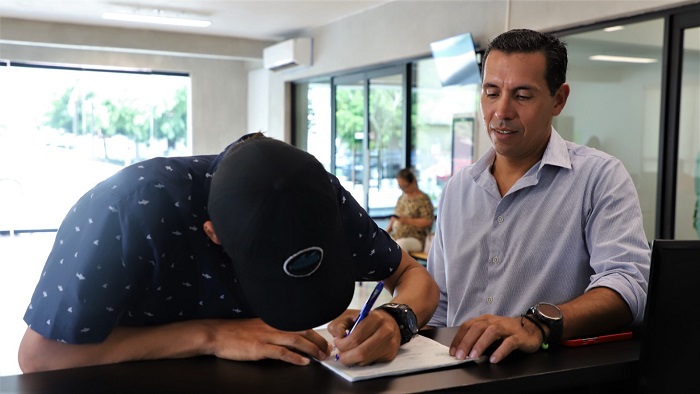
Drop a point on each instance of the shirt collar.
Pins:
(556, 154)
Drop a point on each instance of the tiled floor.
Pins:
(21, 259)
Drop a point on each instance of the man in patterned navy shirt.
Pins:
(138, 272)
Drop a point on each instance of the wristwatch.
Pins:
(550, 315)
(405, 318)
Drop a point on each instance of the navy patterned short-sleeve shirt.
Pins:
(132, 252)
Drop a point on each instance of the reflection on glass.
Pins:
(614, 106)
(437, 111)
(63, 131)
(688, 177)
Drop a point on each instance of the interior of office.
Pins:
(627, 108)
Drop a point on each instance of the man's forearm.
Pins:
(600, 309)
(176, 340)
(416, 289)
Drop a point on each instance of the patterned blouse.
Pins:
(412, 207)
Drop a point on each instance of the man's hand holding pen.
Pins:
(375, 337)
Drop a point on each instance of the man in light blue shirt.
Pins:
(541, 239)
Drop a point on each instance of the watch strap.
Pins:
(400, 313)
(537, 324)
(556, 326)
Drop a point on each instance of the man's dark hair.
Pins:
(248, 137)
(530, 41)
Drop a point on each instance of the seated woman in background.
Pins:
(413, 215)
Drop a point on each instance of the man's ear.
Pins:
(560, 98)
(209, 230)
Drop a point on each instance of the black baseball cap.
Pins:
(277, 216)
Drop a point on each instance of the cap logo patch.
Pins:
(304, 262)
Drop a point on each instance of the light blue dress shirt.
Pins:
(571, 223)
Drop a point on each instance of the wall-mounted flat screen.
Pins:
(456, 61)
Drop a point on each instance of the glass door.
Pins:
(350, 131)
(623, 127)
(687, 215)
(370, 138)
(387, 141)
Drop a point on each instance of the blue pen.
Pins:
(367, 307)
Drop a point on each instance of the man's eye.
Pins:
(522, 97)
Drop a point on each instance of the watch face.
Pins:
(412, 322)
(405, 317)
(549, 311)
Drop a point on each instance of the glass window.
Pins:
(313, 120)
(370, 141)
(615, 101)
(369, 122)
(688, 177)
(62, 131)
(443, 120)
(349, 138)
(386, 142)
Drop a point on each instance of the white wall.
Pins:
(218, 66)
(258, 99)
(405, 29)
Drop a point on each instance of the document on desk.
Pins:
(420, 354)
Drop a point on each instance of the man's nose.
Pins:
(504, 108)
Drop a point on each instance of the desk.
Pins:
(559, 368)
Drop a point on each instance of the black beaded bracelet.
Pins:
(534, 321)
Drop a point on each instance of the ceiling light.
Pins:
(623, 59)
(613, 28)
(162, 17)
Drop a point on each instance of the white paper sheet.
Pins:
(419, 354)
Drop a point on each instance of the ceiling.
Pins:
(261, 19)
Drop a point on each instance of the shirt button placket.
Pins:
(499, 220)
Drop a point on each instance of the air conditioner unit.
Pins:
(288, 54)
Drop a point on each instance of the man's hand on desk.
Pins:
(475, 336)
(239, 339)
(376, 338)
(252, 339)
